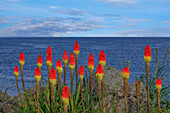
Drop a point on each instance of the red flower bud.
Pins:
(49, 51)
(21, 58)
(65, 92)
(59, 66)
(147, 54)
(65, 57)
(76, 48)
(158, 83)
(53, 73)
(125, 73)
(49, 61)
(16, 71)
(81, 72)
(37, 74)
(39, 61)
(91, 60)
(71, 61)
(99, 72)
(102, 58)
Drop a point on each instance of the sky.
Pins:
(84, 18)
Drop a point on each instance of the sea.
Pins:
(115, 48)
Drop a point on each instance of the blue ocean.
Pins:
(116, 49)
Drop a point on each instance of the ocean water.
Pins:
(115, 49)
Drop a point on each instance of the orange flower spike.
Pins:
(76, 48)
(147, 54)
(65, 95)
(37, 74)
(71, 61)
(59, 66)
(81, 72)
(158, 84)
(125, 73)
(65, 57)
(49, 51)
(49, 61)
(21, 59)
(39, 61)
(91, 62)
(102, 58)
(53, 76)
(99, 72)
(16, 71)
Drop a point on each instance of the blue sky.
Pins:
(55, 18)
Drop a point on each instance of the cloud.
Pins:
(121, 2)
(72, 12)
(53, 7)
(165, 22)
(36, 27)
(5, 20)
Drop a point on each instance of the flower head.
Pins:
(49, 51)
(158, 84)
(125, 73)
(49, 61)
(37, 74)
(39, 61)
(65, 95)
(91, 62)
(99, 72)
(76, 48)
(71, 61)
(59, 66)
(102, 58)
(21, 58)
(65, 57)
(81, 72)
(16, 71)
(52, 76)
(147, 54)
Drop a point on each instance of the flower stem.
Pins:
(22, 77)
(99, 91)
(18, 89)
(49, 83)
(76, 75)
(37, 91)
(102, 96)
(137, 95)
(158, 96)
(126, 94)
(81, 86)
(65, 108)
(91, 90)
(147, 73)
(53, 96)
(64, 73)
(72, 89)
(59, 89)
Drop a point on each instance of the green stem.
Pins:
(126, 94)
(37, 90)
(18, 89)
(49, 83)
(158, 96)
(59, 89)
(82, 95)
(65, 108)
(64, 73)
(91, 90)
(53, 96)
(102, 97)
(76, 74)
(165, 58)
(72, 89)
(22, 77)
(147, 73)
(99, 91)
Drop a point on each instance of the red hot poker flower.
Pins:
(49, 51)
(59, 66)
(158, 83)
(65, 57)
(65, 95)
(39, 61)
(102, 58)
(81, 72)
(76, 48)
(49, 61)
(71, 61)
(16, 71)
(21, 58)
(91, 62)
(99, 72)
(125, 73)
(37, 74)
(147, 54)
(52, 76)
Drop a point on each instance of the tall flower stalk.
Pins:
(137, 94)
(52, 80)
(65, 98)
(102, 61)
(81, 76)
(37, 77)
(16, 73)
(49, 64)
(76, 52)
(65, 60)
(59, 71)
(39, 64)
(90, 66)
(158, 86)
(71, 66)
(99, 76)
(22, 62)
(125, 75)
(147, 58)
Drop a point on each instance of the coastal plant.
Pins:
(102, 61)
(65, 98)
(138, 94)
(99, 76)
(90, 66)
(65, 60)
(59, 72)
(147, 58)
(37, 76)
(125, 75)
(76, 52)
(158, 86)
(49, 64)
(81, 76)
(71, 66)
(52, 80)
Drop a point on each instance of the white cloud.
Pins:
(166, 22)
(120, 2)
(53, 7)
